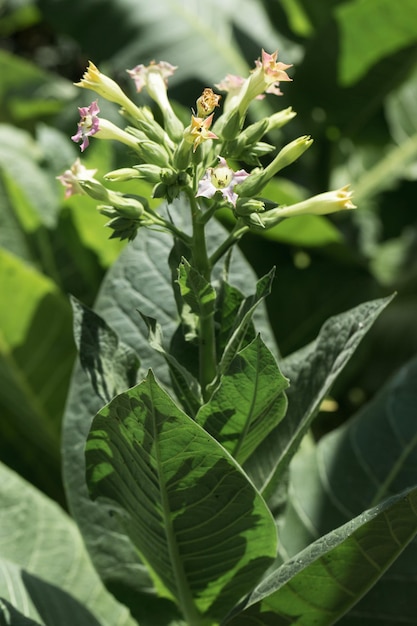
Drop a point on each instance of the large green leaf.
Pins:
(36, 358)
(393, 28)
(166, 30)
(45, 570)
(311, 372)
(110, 365)
(33, 597)
(139, 281)
(355, 467)
(33, 194)
(27, 92)
(9, 616)
(199, 524)
(248, 402)
(322, 582)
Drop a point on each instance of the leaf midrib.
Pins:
(184, 593)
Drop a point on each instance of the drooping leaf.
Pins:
(185, 386)
(311, 372)
(139, 280)
(323, 581)
(248, 403)
(110, 365)
(356, 466)
(45, 570)
(197, 292)
(244, 318)
(193, 516)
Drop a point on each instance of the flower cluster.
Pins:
(196, 160)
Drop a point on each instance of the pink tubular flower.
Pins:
(231, 83)
(88, 124)
(273, 71)
(140, 73)
(223, 179)
(70, 178)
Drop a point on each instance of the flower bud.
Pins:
(150, 172)
(247, 206)
(122, 174)
(103, 85)
(322, 204)
(257, 180)
(154, 153)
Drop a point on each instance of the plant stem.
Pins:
(237, 233)
(200, 260)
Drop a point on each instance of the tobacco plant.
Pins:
(186, 433)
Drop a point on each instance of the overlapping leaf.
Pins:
(320, 585)
(311, 372)
(356, 466)
(248, 402)
(199, 524)
(45, 571)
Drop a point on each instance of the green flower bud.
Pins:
(182, 155)
(257, 180)
(122, 174)
(253, 220)
(150, 172)
(321, 204)
(247, 206)
(154, 153)
(231, 125)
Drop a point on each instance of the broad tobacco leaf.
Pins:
(311, 371)
(323, 581)
(111, 365)
(45, 571)
(355, 467)
(248, 402)
(195, 519)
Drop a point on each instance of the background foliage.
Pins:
(354, 89)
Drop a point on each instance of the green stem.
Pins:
(237, 233)
(166, 225)
(200, 260)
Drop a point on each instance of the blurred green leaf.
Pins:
(166, 30)
(31, 191)
(36, 359)
(28, 93)
(45, 571)
(393, 28)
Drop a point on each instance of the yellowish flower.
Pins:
(103, 85)
(199, 131)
